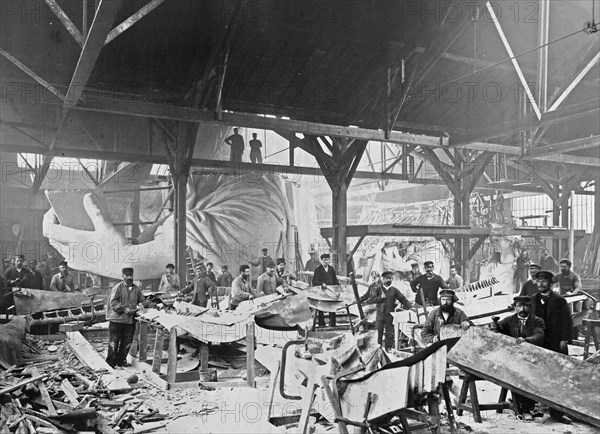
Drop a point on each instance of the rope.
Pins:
(514, 57)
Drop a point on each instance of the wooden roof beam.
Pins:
(247, 120)
(103, 20)
(513, 59)
(144, 10)
(32, 74)
(66, 21)
(561, 148)
(571, 159)
(564, 114)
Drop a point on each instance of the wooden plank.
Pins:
(44, 392)
(531, 371)
(86, 353)
(69, 392)
(204, 353)
(172, 363)
(139, 429)
(428, 372)
(250, 342)
(307, 402)
(158, 350)
(20, 384)
(145, 373)
(119, 415)
(419, 377)
(441, 365)
(143, 341)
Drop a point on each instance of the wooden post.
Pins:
(433, 405)
(143, 341)
(556, 220)
(457, 222)
(172, 363)
(564, 219)
(339, 223)
(135, 215)
(250, 354)
(203, 356)
(357, 298)
(466, 241)
(180, 182)
(291, 149)
(572, 229)
(158, 349)
(274, 376)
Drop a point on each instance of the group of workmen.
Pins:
(204, 286)
(126, 297)
(22, 274)
(542, 317)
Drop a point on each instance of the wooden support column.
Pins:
(458, 222)
(564, 219)
(135, 215)
(466, 241)
(338, 169)
(556, 219)
(461, 178)
(204, 353)
(158, 350)
(143, 339)
(172, 363)
(250, 342)
(180, 181)
(339, 202)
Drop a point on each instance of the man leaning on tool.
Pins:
(125, 299)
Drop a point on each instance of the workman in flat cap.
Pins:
(125, 299)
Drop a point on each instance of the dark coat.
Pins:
(533, 332)
(385, 303)
(327, 277)
(557, 318)
(430, 287)
(529, 289)
(36, 280)
(12, 274)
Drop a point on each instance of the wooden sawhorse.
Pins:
(469, 386)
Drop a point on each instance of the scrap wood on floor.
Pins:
(65, 394)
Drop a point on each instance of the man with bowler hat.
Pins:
(554, 310)
(525, 327)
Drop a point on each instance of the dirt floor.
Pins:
(230, 409)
